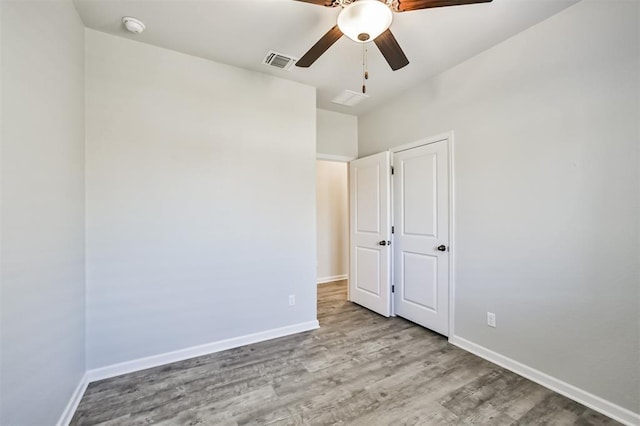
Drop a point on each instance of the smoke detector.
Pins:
(134, 25)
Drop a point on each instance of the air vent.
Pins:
(349, 98)
(279, 60)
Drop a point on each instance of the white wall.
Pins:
(337, 134)
(200, 201)
(547, 188)
(42, 289)
(332, 219)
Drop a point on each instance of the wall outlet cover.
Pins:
(491, 319)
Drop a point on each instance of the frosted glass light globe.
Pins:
(364, 20)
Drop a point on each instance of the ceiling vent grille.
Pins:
(279, 60)
(349, 98)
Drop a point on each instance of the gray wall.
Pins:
(42, 210)
(201, 201)
(337, 134)
(546, 175)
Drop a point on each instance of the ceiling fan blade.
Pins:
(327, 3)
(320, 47)
(407, 5)
(391, 50)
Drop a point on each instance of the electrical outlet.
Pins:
(491, 319)
(292, 299)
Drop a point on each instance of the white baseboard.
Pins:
(332, 279)
(73, 403)
(194, 351)
(590, 400)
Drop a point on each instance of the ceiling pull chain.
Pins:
(365, 72)
(366, 63)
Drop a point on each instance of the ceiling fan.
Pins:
(369, 20)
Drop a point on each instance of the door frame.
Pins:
(449, 138)
(346, 160)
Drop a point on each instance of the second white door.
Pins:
(421, 237)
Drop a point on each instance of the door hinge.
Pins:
(393, 229)
(392, 170)
(393, 289)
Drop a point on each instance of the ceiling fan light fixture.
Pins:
(364, 20)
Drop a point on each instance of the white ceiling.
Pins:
(240, 32)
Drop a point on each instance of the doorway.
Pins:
(332, 221)
(401, 209)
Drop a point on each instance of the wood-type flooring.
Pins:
(357, 369)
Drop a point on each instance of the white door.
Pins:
(369, 185)
(421, 235)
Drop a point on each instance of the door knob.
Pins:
(382, 243)
(442, 248)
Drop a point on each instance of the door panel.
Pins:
(421, 215)
(368, 198)
(367, 270)
(420, 276)
(420, 196)
(369, 188)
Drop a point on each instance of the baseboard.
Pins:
(332, 279)
(195, 351)
(73, 403)
(590, 400)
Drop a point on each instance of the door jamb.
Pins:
(449, 137)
